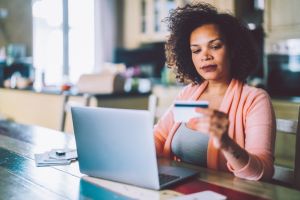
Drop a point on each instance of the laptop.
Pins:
(118, 145)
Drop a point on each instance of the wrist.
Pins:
(226, 142)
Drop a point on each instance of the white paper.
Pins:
(50, 158)
(69, 154)
(204, 195)
(43, 159)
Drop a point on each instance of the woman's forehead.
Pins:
(205, 34)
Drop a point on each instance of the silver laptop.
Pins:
(118, 145)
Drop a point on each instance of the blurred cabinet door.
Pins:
(152, 13)
(143, 18)
(285, 154)
(143, 21)
(282, 19)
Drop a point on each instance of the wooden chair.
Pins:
(160, 100)
(152, 105)
(287, 127)
(69, 101)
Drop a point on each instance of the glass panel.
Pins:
(157, 15)
(143, 14)
(81, 38)
(47, 40)
(171, 4)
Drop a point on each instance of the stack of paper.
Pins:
(55, 157)
(204, 195)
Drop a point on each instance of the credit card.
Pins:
(185, 110)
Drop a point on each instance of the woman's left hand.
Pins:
(213, 122)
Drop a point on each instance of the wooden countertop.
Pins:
(52, 91)
(21, 179)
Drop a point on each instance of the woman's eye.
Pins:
(196, 51)
(216, 46)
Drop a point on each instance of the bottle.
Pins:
(39, 80)
(14, 78)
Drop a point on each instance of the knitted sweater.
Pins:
(252, 126)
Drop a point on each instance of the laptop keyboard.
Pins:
(165, 178)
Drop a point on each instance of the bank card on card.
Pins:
(185, 110)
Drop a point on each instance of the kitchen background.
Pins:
(56, 41)
(110, 53)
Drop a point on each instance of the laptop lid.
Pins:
(118, 145)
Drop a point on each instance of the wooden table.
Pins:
(21, 179)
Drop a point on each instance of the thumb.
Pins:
(216, 142)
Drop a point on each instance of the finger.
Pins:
(201, 127)
(211, 112)
(220, 122)
(216, 131)
(205, 111)
(217, 138)
(202, 119)
(220, 135)
(217, 142)
(219, 114)
(199, 124)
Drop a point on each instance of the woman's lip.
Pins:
(209, 68)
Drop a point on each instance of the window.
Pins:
(63, 39)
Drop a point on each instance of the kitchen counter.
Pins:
(57, 91)
(50, 109)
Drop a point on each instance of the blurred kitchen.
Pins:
(58, 53)
(55, 54)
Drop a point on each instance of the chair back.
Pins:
(152, 105)
(161, 99)
(66, 124)
(287, 145)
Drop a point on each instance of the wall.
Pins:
(17, 26)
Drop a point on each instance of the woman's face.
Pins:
(210, 53)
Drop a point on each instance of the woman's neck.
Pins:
(217, 88)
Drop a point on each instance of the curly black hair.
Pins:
(181, 23)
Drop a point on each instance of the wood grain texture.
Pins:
(18, 172)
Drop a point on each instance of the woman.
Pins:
(215, 52)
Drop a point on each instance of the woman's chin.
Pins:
(214, 77)
(211, 77)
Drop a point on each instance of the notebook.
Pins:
(118, 145)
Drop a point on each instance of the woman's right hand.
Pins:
(214, 123)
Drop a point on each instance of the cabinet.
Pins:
(143, 19)
(152, 13)
(281, 21)
(285, 109)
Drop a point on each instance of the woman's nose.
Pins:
(205, 55)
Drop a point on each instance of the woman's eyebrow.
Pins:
(209, 42)
(217, 39)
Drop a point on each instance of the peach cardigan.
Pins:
(252, 126)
